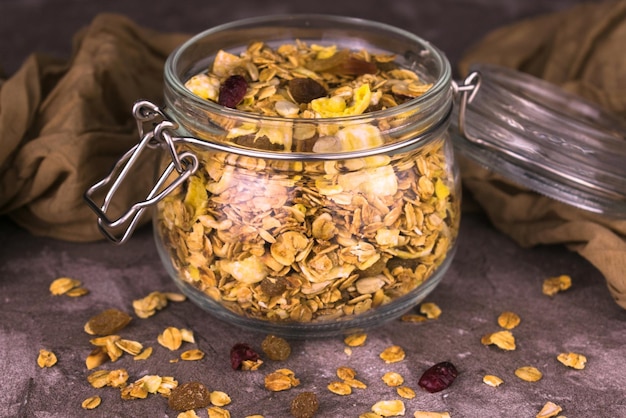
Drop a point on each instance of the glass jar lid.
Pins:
(543, 138)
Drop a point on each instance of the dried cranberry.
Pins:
(232, 91)
(438, 377)
(240, 353)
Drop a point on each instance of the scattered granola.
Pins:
(553, 285)
(155, 301)
(501, 339)
(192, 355)
(219, 398)
(492, 380)
(550, 409)
(508, 320)
(405, 392)
(92, 402)
(528, 374)
(46, 358)
(393, 379)
(304, 405)
(282, 379)
(276, 348)
(339, 388)
(392, 408)
(149, 384)
(63, 285)
(392, 354)
(113, 378)
(144, 355)
(243, 357)
(190, 395)
(573, 360)
(171, 338)
(355, 340)
(431, 310)
(217, 412)
(427, 414)
(438, 377)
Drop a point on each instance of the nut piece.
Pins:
(553, 285)
(502, 339)
(549, 410)
(391, 408)
(392, 354)
(46, 358)
(528, 373)
(91, 402)
(508, 320)
(573, 360)
(492, 380)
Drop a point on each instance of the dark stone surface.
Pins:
(489, 274)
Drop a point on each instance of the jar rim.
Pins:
(440, 86)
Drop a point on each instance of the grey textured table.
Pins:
(489, 274)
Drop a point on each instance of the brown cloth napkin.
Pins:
(64, 125)
(583, 50)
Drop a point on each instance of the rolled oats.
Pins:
(217, 412)
(282, 379)
(144, 355)
(431, 310)
(355, 340)
(492, 380)
(392, 354)
(393, 379)
(427, 414)
(573, 360)
(528, 373)
(62, 285)
(339, 388)
(188, 414)
(219, 398)
(192, 355)
(552, 285)
(171, 338)
(501, 339)
(508, 320)
(92, 402)
(550, 409)
(405, 392)
(46, 358)
(392, 408)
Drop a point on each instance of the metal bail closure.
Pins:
(185, 163)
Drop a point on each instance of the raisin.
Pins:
(241, 352)
(191, 395)
(304, 405)
(232, 91)
(343, 63)
(274, 286)
(303, 90)
(438, 377)
(276, 348)
(107, 322)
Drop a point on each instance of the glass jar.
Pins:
(306, 227)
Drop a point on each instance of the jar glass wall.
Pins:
(311, 226)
